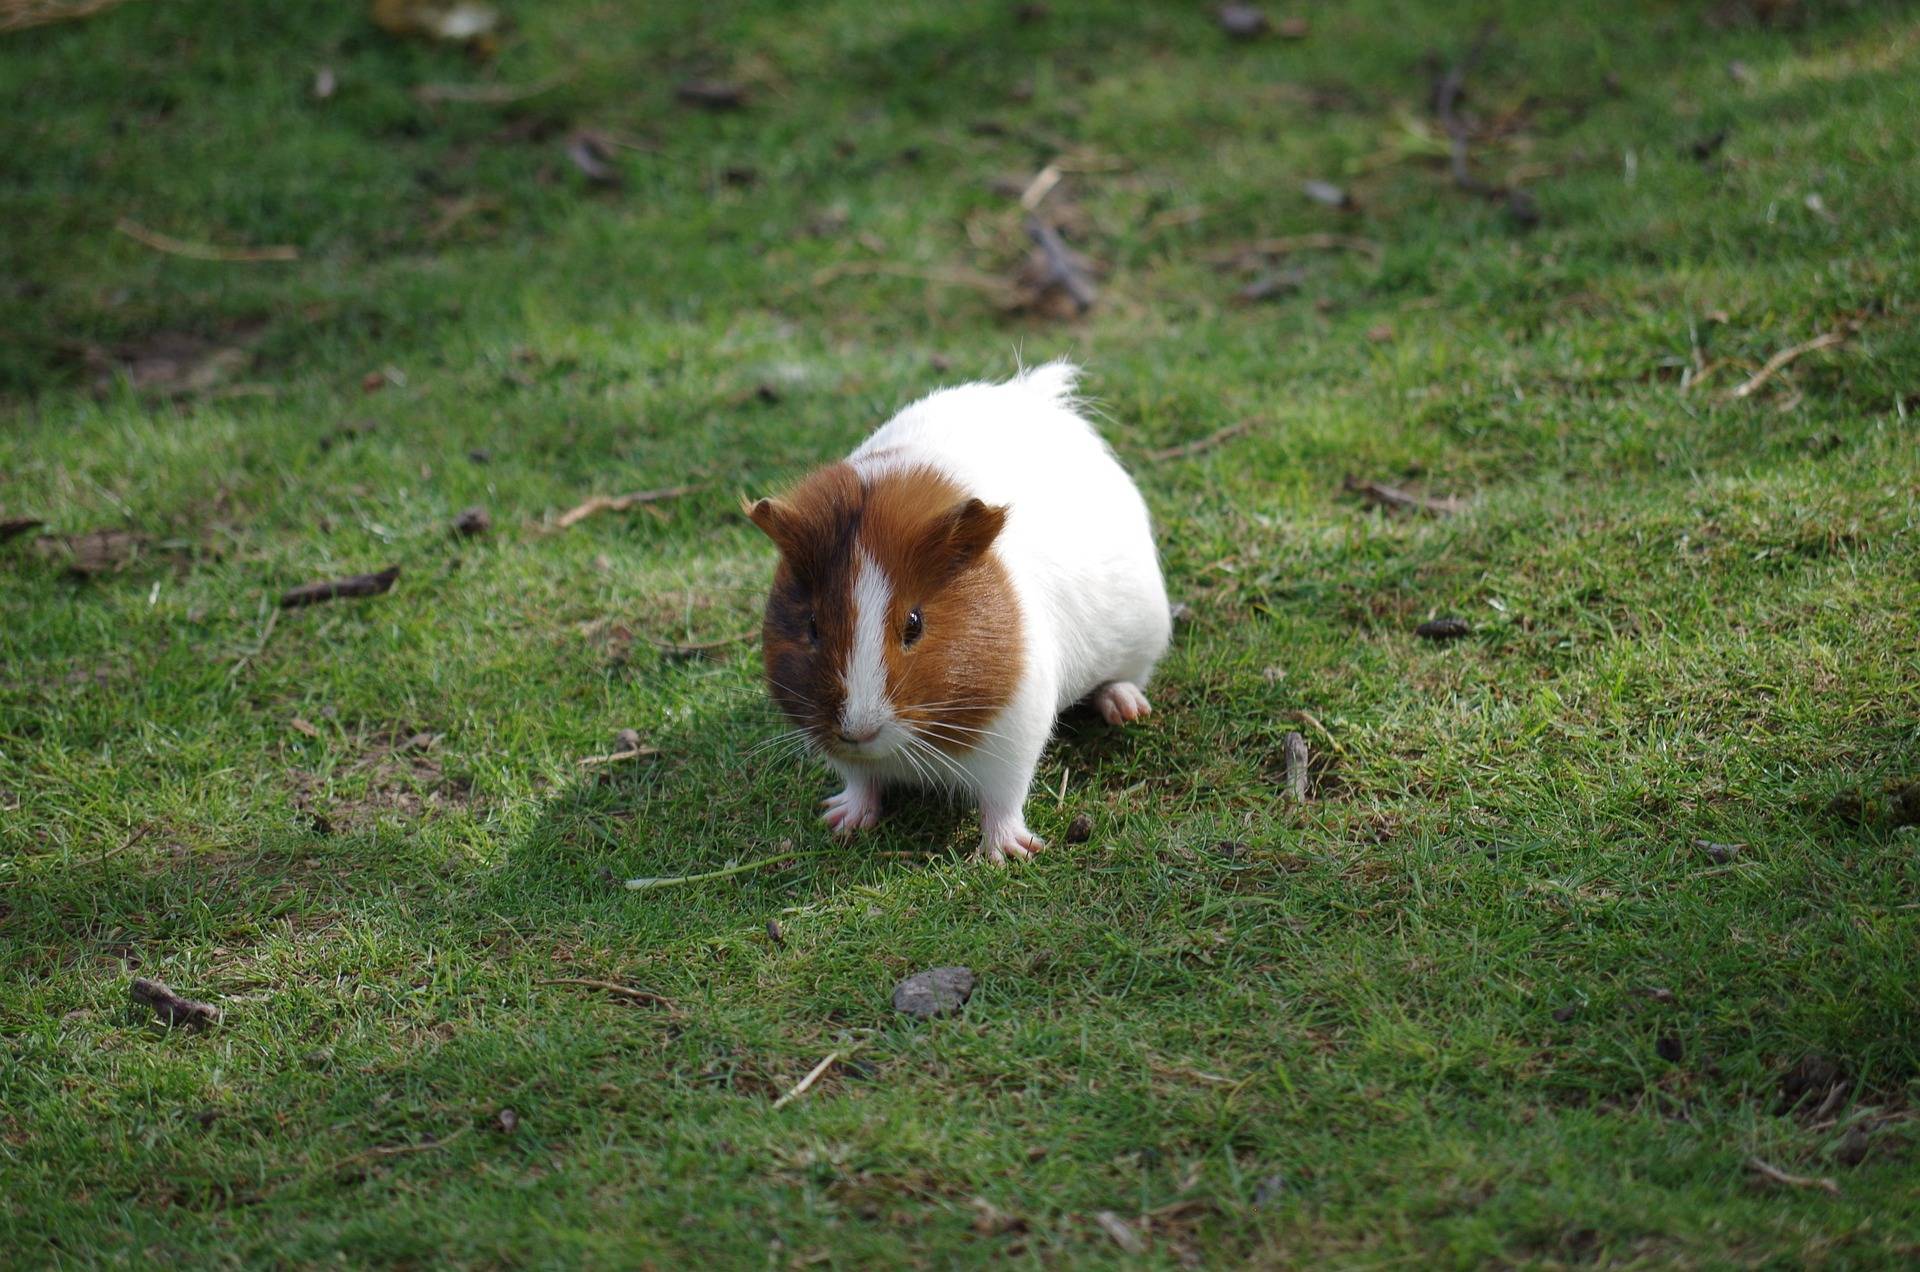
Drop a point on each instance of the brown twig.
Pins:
(1398, 500)
(169, 1007)
(1063, 268)
(801, 1087)
(327, 590)
(202, 251)
(1287, 245)
(485, 94)
(394, 1150)
(646, 996)
(20, 16)
(620, 503)
(12, 526)
(618, 757)
(1773, 365)
(1186, 450)
(1768, 1171)
(1446, 96)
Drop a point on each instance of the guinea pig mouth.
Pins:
(875, 745)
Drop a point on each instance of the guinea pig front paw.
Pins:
(851, 811)
(1016, 841)
(1121, 702)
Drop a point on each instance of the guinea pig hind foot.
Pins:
(1121, 702)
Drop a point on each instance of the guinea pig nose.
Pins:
(850, 740)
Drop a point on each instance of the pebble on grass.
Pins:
(935, 992)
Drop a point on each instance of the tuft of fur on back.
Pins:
(1054, 381)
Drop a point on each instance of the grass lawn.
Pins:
(1497, 993)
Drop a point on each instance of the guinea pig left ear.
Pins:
(971, 528)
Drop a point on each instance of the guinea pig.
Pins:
(973, 568)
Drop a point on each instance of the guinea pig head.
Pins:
(892, 628)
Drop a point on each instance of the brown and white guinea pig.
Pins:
(977, 565)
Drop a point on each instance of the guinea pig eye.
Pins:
(915, 624)
(813, 629)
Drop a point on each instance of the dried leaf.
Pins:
(1122, 1233)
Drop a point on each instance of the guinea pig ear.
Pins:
(968, 530)
(774, 518)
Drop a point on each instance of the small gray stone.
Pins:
(627, 740)
(934, 992)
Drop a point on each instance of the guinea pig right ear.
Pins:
(774, 518)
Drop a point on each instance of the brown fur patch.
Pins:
(935, 545)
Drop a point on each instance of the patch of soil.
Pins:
(396, 775)
(171, 363)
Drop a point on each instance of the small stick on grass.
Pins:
(169, 1007)
(1186, 450)
(620, 503)
(353, 585)
(202, 251)
(646, 996)
(801, 1087)
(485, 94)
(1771, 1172)
(1292, 243)
(13, 526)
(1446, 96)
(1398, 500)
(1294, 748)
(395, 1150)
(618, 757)
(20, 17)
(1063, 269)
(1778, 361)
(745, 867)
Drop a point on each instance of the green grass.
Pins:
(1408, 1022)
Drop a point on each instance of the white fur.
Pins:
(867, 710)
(1079, 549)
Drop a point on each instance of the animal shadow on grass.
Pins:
(721, 791)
